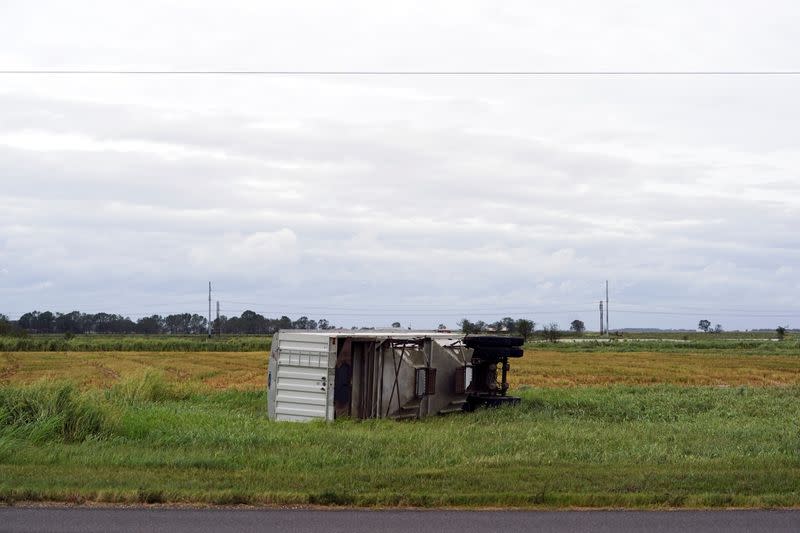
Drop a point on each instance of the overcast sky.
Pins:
(420, 199)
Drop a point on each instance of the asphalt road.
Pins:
(18, 519)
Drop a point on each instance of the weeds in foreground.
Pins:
(148, 386)
(60, 412)
(53, 412)
(599, 446)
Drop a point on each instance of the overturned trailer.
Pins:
(385, 374)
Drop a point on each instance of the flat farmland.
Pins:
(546, 368)
(598, 429)
(212, 370)
(538, 368)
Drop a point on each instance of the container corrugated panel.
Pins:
(302, 382)
(301, 393)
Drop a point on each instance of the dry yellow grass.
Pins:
(218, 370)
(246, 370)
(560, 369)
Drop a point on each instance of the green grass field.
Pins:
(148, 441)
(705, 428)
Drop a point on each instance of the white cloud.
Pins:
(254, 255)
(500, 195)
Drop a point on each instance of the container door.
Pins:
(302, 378)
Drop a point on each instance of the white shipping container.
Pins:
(365, 374)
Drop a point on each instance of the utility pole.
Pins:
(219, 324)
(601, 317)
(209, 309)
(608, 331)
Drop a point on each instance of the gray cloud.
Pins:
(418, 199)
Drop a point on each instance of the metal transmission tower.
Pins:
(209, 309)
(607, 330)
(601, 317)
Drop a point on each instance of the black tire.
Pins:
(493, 341)
(494, 352)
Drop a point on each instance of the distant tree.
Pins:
(704, 325)
(220, 325)
(76, 322)
(551, 332)
(150, 325)
(468, 327)
(198, 324)
(718, 328)
(441, 327)
(524, 327)
(28, 320)
(46, 322)
(395, 324)
(177, 324)
(507, 324)
(781, 331)
(73, 322)
(252, 323)
(9, 329)
(186, 323)
(577, 326)
(103, 322)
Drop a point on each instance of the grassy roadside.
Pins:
(150, 440)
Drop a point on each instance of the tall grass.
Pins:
(52, 412)
(604, 446)
(149, 386)
(136, 343)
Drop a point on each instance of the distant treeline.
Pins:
(76, 323)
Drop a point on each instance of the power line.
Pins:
(462, 312)
(487, 73)
(476, 307)
(450, 310)
(423, 310)
(403, 308)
